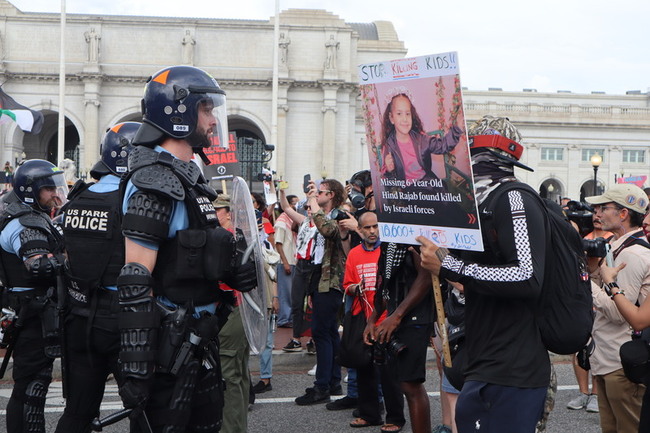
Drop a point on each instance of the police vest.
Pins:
(12, 268)
(94, 241)
(190, 265)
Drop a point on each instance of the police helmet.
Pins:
(173, 99)
(115, 148)
(35, 174)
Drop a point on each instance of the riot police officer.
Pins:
(31, 258)
(95, 247)
(176, 254)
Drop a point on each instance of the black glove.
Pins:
(134, 392)
(245, 277)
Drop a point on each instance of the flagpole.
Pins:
(61, 141)
(274, 88)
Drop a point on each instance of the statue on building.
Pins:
(331, 46)
(188, 48)
(92, 39)
(283, 43)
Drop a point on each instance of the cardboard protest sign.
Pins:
(418, 149)
(223, 160)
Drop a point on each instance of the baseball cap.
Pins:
(624, 194)
(223, 200)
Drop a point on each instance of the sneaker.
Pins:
(311, 348)
(579, 402)
(314, 397)
(343, 403)
(312, 372)
(261, 387)
(336, 390)
(592, 404)
(293, 346)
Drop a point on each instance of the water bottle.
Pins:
(274, 322)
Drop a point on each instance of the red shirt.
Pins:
(362, 264)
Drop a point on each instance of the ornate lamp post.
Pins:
(596, 160)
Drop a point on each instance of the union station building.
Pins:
(319, 128)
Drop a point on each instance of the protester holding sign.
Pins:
(508, 367)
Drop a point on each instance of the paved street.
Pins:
(275, 411)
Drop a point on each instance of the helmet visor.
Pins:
(53, 192)
(213, 119)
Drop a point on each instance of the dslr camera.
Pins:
(598, 247)
(338, 215)
(392, 348)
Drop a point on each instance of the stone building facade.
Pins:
(319, 125)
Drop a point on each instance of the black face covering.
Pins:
(489, 172)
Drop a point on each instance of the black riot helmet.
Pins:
(114, 149)
(173, 99)
(35, 174)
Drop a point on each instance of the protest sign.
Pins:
(223, 160)
(418, 150)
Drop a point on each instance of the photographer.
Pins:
(621, 210)
(402, 338)
(325, 291)
(595, 246)
(361, 195)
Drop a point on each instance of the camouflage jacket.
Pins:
(334, 256)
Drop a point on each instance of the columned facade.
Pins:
(319, 121)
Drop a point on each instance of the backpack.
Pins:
(564, 312)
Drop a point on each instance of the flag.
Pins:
(28, 120)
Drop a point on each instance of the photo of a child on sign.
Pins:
(418, 150)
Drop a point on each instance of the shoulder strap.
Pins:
(635, 238)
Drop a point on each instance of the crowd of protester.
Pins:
(323, 258)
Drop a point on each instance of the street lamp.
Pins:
(596, 160)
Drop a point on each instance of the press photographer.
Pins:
(621, 210)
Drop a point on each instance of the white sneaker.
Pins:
(579, 402)
(312, 372)
(592, 404)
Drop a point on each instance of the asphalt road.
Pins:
(275, 411)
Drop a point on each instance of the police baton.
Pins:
(98, 424)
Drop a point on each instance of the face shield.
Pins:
(51, 192)
(212, 119)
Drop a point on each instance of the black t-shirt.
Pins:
(398, 285)
(502, 286)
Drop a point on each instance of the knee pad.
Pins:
(34, 406)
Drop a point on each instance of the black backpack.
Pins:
(565, 310)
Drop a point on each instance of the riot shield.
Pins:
(253, 304)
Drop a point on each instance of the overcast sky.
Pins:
(576, 45)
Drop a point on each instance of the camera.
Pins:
(357, 199)
(338, 215)
(265, 176)
(598, 247)
(392, 348)
(360, 181)
(581, 214)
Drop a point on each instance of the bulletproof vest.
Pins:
(94, 241)
(12, 268)
(188, 265)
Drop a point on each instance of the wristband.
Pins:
(346, 237)
(619, 292)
